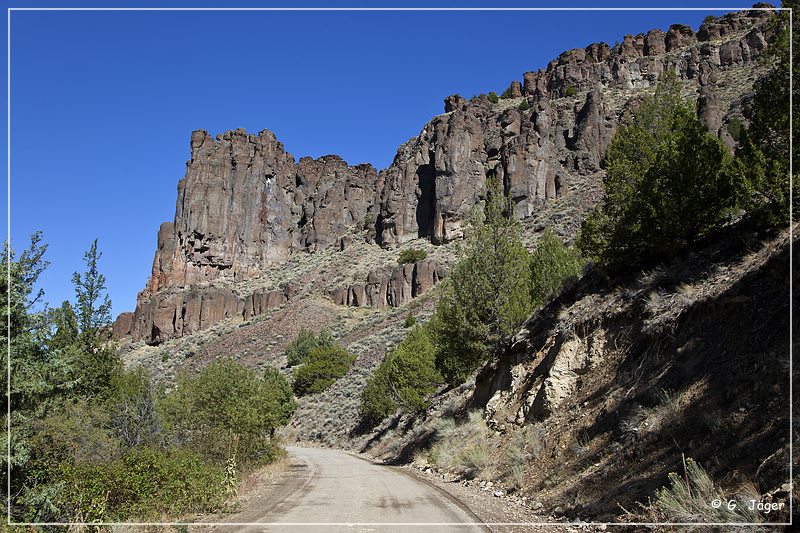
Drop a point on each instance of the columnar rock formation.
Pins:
(246, 205)
(391, 288)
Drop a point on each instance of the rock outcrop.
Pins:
(635, 63)
(245, 204)
(173, 313)
(391, 288)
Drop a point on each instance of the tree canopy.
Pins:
(668, 183)
(487, 294)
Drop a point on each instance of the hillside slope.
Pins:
(621, 381)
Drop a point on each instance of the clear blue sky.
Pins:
(103, 103)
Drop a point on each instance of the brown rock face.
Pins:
(391, 288)
(122, 325)
(678, 36)
(638, 60)
(173, 313)
(245, 204)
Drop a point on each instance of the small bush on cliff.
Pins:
(492, 96)
(411, 255)
(299, 349)
(524, 105)
(487, 295)
(404, 379)
(571, 91)
(322, 368)
(228, 410)
(552, 264)
(668, 183)
(506, 93)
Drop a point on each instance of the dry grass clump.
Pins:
(472, 449)
(464, 447)
(695, 498)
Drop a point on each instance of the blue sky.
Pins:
(103, 103)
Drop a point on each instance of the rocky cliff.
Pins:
(246, 206)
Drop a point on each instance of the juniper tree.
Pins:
(96, 364)
(763, 155)
(668, 183)
(552, 264)
(487, 294)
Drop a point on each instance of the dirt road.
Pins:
(330, 490)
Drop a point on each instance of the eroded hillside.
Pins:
(616, 384)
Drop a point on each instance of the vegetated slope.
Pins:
(618, 381)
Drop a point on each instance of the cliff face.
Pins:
(245, 205)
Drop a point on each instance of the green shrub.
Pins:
(376, 401)
(524, 105)
(736, 128)
(506, 93)
(367, 222)
(72, 431)
(411, 255)
(145, 484)
(668, 183)
(571, 91)
(298, 350)
(552, 264)
(227, 409)
(410, 320)
(404, 379)
(132, 407)
(486, 297)
(322, 368)
(492, 96)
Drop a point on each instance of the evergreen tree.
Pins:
(552, 264)
(92, 304)
(300, 348)
(38, 375)
(763, 155)
(97, 365)
(40, 378)
(404, 379)
(487, 294)
(65, 323)
(668, 183)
